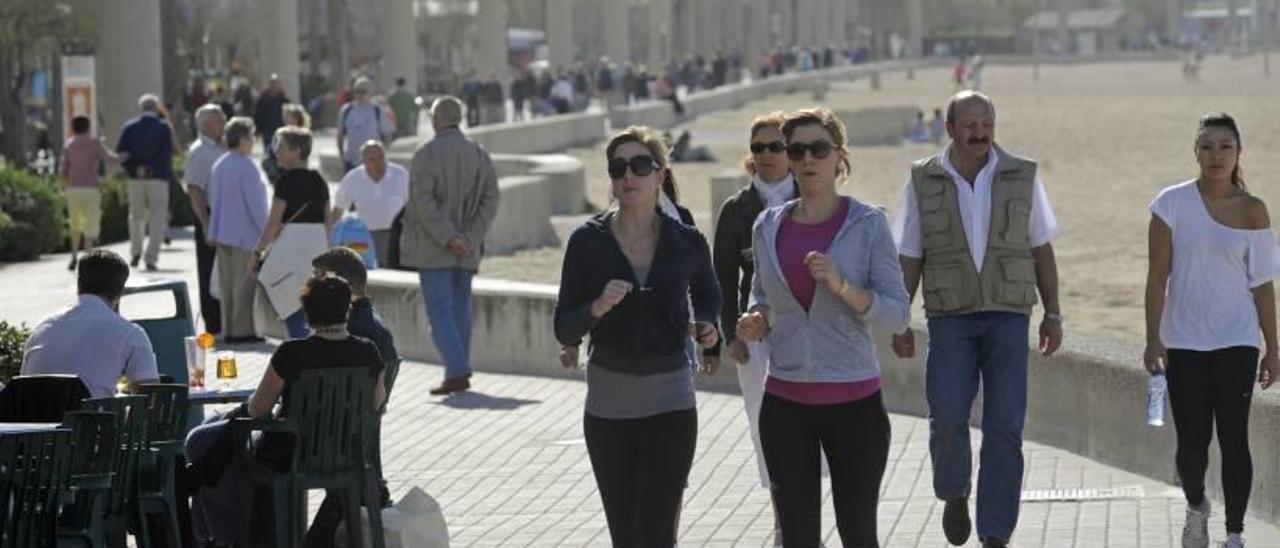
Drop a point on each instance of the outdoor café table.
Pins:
(19, 427)
(211, 397)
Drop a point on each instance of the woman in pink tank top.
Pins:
(825, 269)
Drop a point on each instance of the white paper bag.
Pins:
(288, 265)
(414, 522)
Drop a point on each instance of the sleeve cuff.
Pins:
(874, 313)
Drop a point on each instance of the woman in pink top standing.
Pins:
(826, 270)
(83, 157)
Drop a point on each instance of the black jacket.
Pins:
(653, 319)
(734, 256)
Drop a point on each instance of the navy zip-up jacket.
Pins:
(652, 320)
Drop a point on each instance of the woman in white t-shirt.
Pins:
(1212, 256)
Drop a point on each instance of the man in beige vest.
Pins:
(976, 223)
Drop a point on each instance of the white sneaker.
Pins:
(1195, 533)
(1234, 540)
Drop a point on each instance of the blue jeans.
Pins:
(990, 347)
(296, 325)
(447, 292)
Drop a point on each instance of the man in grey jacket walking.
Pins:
(453, 198)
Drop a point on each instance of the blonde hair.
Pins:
(658, 148)
(298, 112)
(297, 138)
(822, 116)
(773, 119)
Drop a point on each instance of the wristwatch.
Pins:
(1054, 317)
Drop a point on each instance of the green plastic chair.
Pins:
(121, 511)
(93, 461)
(330, 418)
(34, 469)
(167, 411)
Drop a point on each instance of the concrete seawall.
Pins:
(1089, 399)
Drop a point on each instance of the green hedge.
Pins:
(35, 213)
(115, 210)
(12, 340)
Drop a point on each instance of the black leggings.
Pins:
(641, 466)
(855, 438)
(1204, 387)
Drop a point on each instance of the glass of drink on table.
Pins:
(227, 368)
(195, 362)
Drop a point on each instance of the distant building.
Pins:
(1087, 31)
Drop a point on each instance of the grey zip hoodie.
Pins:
(829, 342)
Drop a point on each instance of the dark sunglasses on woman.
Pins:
(640, 166)
(819, 150)
(773, 148)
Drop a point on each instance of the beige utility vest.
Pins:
(952, 284)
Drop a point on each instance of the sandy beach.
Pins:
(1107, 137)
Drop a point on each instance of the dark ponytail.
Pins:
(1224, 120)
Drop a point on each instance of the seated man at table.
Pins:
(326, 300)
(365, 322)
(91, 339)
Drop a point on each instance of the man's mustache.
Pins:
(979, 141)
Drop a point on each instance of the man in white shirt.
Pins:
(976, 224)
(90, 339)
(377, 190)
(200, 159)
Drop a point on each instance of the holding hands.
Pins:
(752, 326)
(459, 247)
(705, 333)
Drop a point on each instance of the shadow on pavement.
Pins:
(478, 400)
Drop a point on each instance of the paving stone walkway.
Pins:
(508, 465)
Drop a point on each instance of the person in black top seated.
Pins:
(365, 322)
(301, 197)
(326, 299)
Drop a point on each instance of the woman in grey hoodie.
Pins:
(826, 270)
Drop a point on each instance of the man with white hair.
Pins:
(147, 143)
(453, 199)
(206, 150)
(360, 120)
(377, 191)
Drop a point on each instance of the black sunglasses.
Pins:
(640, 166)
(819, 150)
(774, 147)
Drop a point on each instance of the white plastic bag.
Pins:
(414, 522)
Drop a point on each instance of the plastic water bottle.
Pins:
(1156, 387)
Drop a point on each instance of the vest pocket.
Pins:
(1018, 283)
(942, 287)
(1017, 217)
(935, 228)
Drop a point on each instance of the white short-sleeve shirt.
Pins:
(377, 204)
(1208, 301)
(200, 158)
(975, 213)
(92, 341)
